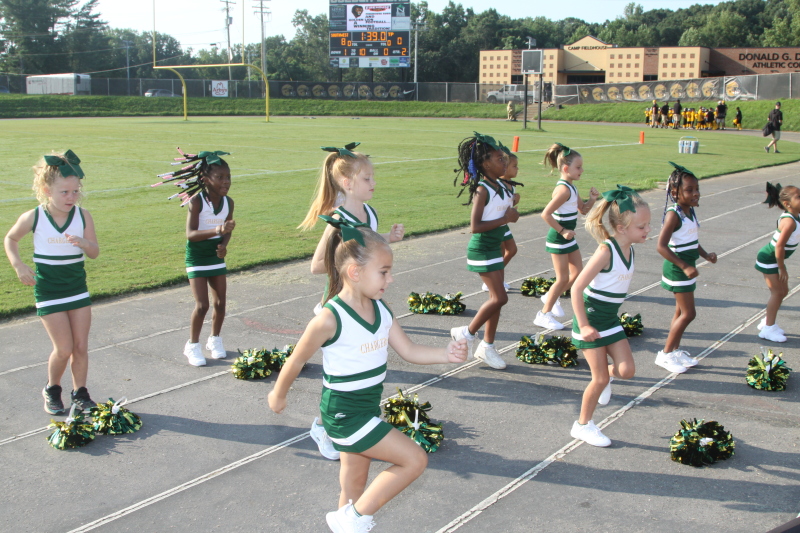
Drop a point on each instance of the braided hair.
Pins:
(191, 176)
(472, 152)
(674, 184)
(777, 195)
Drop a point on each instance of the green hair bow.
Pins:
(349, 229)
(680, 168)
(346, 151)
(565, 150)
(212, 158)
(504, 148)
(69, 165)
(487, 140)
(623, 196)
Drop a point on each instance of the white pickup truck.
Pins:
(511, 93)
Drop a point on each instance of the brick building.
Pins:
(590, 60)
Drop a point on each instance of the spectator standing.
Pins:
(677, 109)
(776, 119)
(655, 115)
(665, 115)
(722, 111)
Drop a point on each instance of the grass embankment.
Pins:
(275, 165)
(754, 113)
(41, 106)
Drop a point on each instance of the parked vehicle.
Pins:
(159, 92)
(510, 93)
(59, 84)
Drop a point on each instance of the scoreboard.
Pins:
(370, 34)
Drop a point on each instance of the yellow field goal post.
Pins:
(174, 68)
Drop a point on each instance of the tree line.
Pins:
(52, 36)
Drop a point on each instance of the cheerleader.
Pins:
(604, 285)
(63, 236)
(561, 214)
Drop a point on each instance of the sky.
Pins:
(199, 23)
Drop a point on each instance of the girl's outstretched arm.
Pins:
(396, 234)
(560, 195)
(321, 328)
(599, 261)
(89, 241)
(455, 352)
(23, 226)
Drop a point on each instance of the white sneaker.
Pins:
(345, 521)
(488, 354)
(324, 442)
(214, 344)
(764, 323)
(506, 286)
(771, 333)
(605, 396)
(669, 362)
(546, 321)
(462, 332)
(589, 434)
(684, 359)
(557, 310)
(194, 353)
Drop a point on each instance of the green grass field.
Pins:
(275, 167)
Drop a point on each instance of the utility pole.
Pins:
(128, 62)
(228, 30)
(261, 10)
(417, 26)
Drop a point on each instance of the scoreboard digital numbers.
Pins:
(372, 34)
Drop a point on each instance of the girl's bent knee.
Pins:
(501, 298)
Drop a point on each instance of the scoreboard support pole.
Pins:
(525, 103)
(541, 95)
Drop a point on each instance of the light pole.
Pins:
(128, 62)
(228, 29)
(417, 26)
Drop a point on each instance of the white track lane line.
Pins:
(475, 511)
(572, 445)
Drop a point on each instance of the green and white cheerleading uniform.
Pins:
(354, 368)
(686, 246)
(60, 276)
(484, 253)
(372, 216)
(510, 190)
(567, 216)
(603, 297)
(201, 257)
(766, 262)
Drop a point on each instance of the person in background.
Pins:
(677, 109)
(776, 118)
(665, 115)
(512, 113)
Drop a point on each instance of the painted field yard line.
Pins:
(566, 449)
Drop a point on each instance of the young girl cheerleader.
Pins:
(771, 259)
(345, 185)
(63, 234)
(205, 181)
(354, 330)
(679, 246)
(561, 214)
(507, 182)
(604, 284)
(483, 161)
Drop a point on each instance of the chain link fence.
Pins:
(756, 87)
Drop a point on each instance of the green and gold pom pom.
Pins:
(539, 286)
(111, 418)
(73, 432)
(557, 350)
(430, 303)
(277, 358)
(701, 443)
(767, 372)
(252, 364)
(632, 324)
(411, 418)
